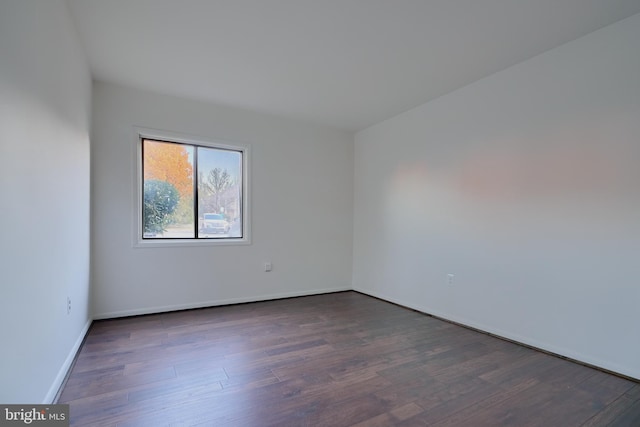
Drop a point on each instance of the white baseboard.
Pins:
(213, 303)
(64, 369)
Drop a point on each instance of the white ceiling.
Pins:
(342, 63)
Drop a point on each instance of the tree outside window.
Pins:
(175, 208)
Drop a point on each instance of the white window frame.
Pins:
(168, 136)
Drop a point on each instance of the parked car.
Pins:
(214, 223)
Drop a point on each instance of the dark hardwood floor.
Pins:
(329, 360)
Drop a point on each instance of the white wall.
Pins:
(302, 205)
(525, 186)
(45, 91)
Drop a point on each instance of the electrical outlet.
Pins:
(68, 305)
(449, 279)
(267, 266)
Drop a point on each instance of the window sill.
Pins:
(172, 243)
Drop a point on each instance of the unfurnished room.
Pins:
(320, 213)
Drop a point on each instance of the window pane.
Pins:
(168, 190)
(219, 193)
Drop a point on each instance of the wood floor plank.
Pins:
(630, 417)
(339, 359)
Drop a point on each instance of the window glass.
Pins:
(177, 205)
(219, 193)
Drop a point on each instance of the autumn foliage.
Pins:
(169, 162)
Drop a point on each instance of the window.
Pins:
(191, 191)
